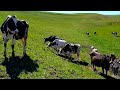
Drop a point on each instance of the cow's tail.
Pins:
(26, 33)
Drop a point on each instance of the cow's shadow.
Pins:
(15, 65)
(70, 59)
(106, 76)
(117, 36)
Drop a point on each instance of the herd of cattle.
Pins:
(114, 33)
(97, 59)
(15, 29)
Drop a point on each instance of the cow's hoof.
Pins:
(94, 70)
(4, 54)
(24, 54)
(5, 57)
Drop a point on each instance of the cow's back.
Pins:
(21, 26)
(98, 60)
(4, 25)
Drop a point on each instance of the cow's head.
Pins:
(12, 21)
(113, 57)
(46, 40)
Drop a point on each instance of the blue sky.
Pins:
(99, 12)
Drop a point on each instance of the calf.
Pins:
(71, 49)
(14, 29)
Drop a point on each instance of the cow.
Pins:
(95, 33)
(101, 60)
(88, 33)
(14, 29)
(70, 49)
(115, 66)
(114, 33)
(58, 44)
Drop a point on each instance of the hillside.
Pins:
(42, 63)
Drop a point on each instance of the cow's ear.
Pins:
(15, 16)
(9, 16)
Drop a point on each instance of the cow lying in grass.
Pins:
(70, 49)
(58, 44)
(100, 60)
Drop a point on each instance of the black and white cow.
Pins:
(88, 33)
(58, 44)
(50, 39)
(14, 29)
(95, 33)
(70, 49)
(114, 33)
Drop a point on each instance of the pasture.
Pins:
(43, 63)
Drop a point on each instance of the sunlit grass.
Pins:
(70, 27)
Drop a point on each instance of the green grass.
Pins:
(41, 63)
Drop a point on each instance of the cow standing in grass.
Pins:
(88, 33)
(95, 33)
(114, 33)
(100, 60)
(14, 29)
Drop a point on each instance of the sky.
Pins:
(99, 12)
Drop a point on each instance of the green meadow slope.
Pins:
(42, 63)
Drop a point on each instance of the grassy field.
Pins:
(42, 63)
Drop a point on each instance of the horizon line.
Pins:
(83, 12)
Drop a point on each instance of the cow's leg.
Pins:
(106, 72)
(102, 70)
(94, 68)
(78, 56)
(59, 52)
(70, 55)
(5, 45)
(24, 40)
(13, 44)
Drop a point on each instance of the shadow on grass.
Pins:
(72, 60)
(117, 36)
(106, 76)
(15, 65)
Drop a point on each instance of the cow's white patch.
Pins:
(15, 20)
(9, 16)
(59, 44)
